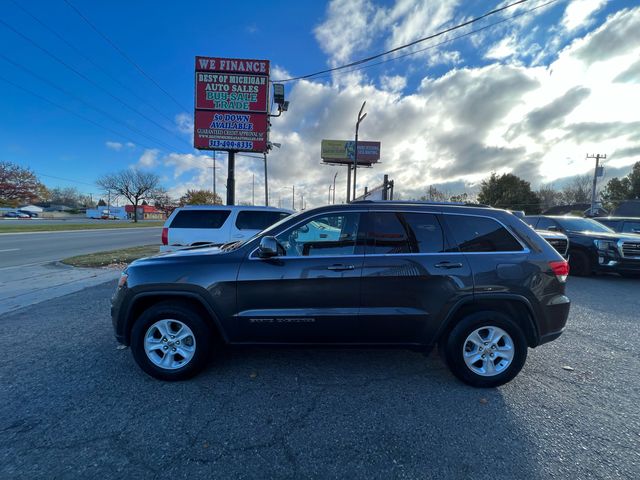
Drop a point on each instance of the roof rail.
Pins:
(425, 202)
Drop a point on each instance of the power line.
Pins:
(92, 62)
(121, 52)
(401, 47)
(87, 104)
(87, 119)
(65, 179)
(449, 40)
(83, 76)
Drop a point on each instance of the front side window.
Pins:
(481, 234)
(631, 227)
(547, 224)
(327, 235)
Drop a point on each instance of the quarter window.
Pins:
(327, 235)
(481, 234)
(398, 233)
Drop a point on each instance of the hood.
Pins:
(178, 254)
(551, 234)
(627, 237)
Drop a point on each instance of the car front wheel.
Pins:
(171, 341)
(486, 349)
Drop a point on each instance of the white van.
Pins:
(195, 225)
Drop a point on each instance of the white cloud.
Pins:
(579, 13)
(184, 122)
(393, 83)
(148, 159)
(117, 146)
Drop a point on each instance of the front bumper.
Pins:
(608, 261)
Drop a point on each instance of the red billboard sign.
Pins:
(225, 91)
(219, 130)
(231, 104)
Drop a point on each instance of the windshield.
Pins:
(582, 225)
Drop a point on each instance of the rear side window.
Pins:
(398, 233)
(258, 220)
(481, 234)
(200, 218)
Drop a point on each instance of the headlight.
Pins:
(605, 244)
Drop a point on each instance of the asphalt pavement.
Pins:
(74, 405)
(29, 248)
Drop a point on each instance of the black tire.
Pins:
(453, 348)
(579, 264)
(188, 316)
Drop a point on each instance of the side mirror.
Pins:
(268, 247)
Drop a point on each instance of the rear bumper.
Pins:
(556, 313)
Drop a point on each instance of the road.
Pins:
(73, 405)
(19, 249)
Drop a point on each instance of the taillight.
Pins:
(560, 269)
(165, 236)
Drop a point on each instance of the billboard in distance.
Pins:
(343, 151)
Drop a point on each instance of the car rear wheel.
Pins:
(486, 349)
(579, 264)
(171, 341)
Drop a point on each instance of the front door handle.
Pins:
(448, 265)
(340, 267)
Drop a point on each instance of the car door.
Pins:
(310, 293)
(408, 279)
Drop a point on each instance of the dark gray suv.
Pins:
(477, 282)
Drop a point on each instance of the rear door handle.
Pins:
(448, 265)
(340, 267)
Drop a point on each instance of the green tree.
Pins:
(19, 185)
(200, 197)
(617, 190)
(509, 191)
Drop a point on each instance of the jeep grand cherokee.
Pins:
(477, 282)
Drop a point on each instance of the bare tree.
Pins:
(133, 184)
(578, 190)
(549, 196)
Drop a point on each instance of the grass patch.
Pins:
(120, 257)
(9, 226)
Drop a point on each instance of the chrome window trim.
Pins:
(525, 249)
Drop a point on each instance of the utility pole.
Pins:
(266, 183)
(231, 178)
(334, 188)
(348, 199)
(597, 157)
(355, 153)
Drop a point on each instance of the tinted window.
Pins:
(386, 233)
(426, 230)
(331, 235)
(545, 223)
(531, 221)
(200, 218)
(394, 232)
(631, 227)
(577, 224)
(481, 234)
(258, 220)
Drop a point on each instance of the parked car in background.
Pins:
(593, 247)
(11, 215)
(476, 282)
(557, 240)
(621, 224)
(197, 225)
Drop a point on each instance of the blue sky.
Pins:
(445, 116)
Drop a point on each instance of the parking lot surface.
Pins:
(74, 405)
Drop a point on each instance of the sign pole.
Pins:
(348, 200)
(231, 178)
(266, 183)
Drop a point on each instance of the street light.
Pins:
(355, 154)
